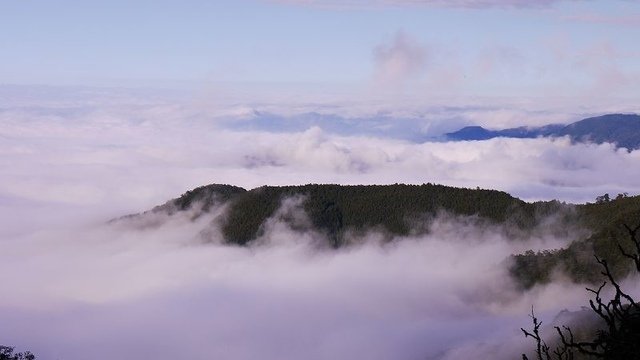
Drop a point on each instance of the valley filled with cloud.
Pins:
(78, 287)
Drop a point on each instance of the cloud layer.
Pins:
(159, 292)
(136, 153)
(80, 288)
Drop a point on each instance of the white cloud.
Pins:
(82, 290)
(132, 156)
(160, 292)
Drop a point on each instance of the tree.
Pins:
(620, 337)
(622, 195)
(6, 353)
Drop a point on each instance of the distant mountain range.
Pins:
(620, 129)
(383, 125)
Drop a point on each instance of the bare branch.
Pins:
(621, 314)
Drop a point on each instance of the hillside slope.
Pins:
(399, 210)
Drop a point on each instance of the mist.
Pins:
(78, 287)
(156, 288)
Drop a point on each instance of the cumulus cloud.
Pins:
(134, 155)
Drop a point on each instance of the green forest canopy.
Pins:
(398, 210)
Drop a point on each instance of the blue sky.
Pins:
(466, 47)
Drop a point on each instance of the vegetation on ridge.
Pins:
(400, 210)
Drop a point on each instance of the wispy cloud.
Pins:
(399, 61)
(591, 69)
(624, 20)
(469, 4)
(506, 60)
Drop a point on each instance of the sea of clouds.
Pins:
(75, 287)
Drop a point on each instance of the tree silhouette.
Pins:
(619, 339)
(6, 353)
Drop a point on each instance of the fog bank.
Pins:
(135, 291)
(77, 288)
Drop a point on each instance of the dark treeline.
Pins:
(396, 209)
(8, 353)
(613, 332)
(605, 221)
(400, 210)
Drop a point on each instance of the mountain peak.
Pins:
(620, 129)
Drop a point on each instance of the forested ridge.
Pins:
(605, 221)
(623, 130)
(396, 209)
(400, 210)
